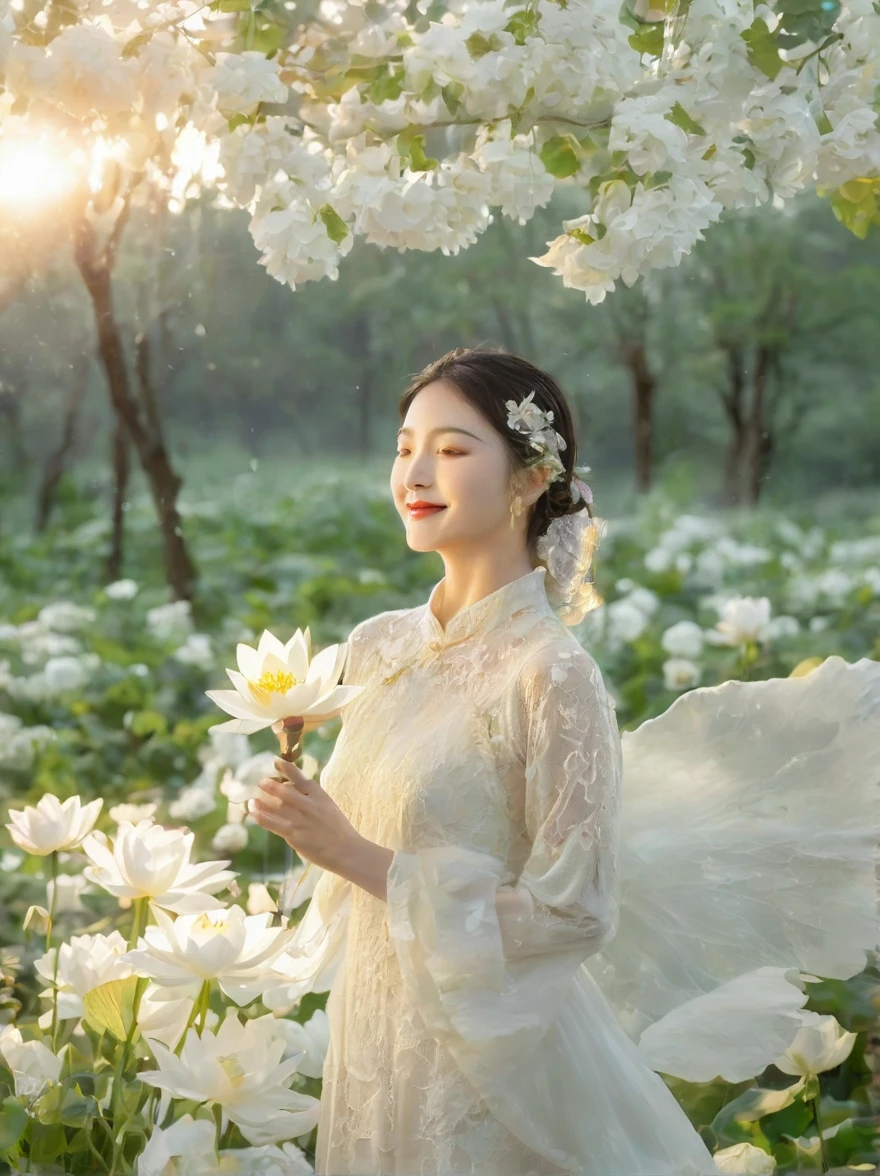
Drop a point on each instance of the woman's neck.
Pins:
(462, 587)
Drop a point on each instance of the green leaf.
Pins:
(823, 123)
(649, 39)
(412, 147)
(388, 85)
(582, 236)
(260, 32)
(559, 155)
(452, 93)
(131, 48)
(77, 1108)
(762, 51)
(523, 24)
(753, 1104)
(337, 229)
(13, 1120)
(147, 722)
(48, 1144)
(680, 117)
(478, 45)
(231, 6)
(855, 205)
(109, 1007)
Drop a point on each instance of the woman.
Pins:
(468, 825)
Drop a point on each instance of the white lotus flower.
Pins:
(230, 838)
(679, 673)
(191, 803)
(298, 885)
(240, 1069)
(10, 860)
(70, 887)
(86, 962)
(269, 1160)
(235, 813)
(275, 681)
(132, 812)
(311, 1040)
(190, 1139)
(232, 749)
(163, 1015)
(259, 900)
(744, 1159)
(244, 784)
(684, 639)
(65, 617)
(821, 1044)
(36, 919)
(147, 861)
(63, 674)
(235, 949)
(743, 619)
(52, 825)
(170, 622)
(196, 651)
(121, 590)
(32, 1063)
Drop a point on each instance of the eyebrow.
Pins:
(441, 429)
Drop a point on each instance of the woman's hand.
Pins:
(299, 810)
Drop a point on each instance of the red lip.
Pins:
(425, 510)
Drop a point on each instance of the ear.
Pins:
(535, 479)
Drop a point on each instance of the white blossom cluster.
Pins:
(408, 134)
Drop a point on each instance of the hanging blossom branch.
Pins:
(410, 133)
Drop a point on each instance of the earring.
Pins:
(516, 510)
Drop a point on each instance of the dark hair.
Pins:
(487, 378)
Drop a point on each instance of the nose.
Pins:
(415, 479)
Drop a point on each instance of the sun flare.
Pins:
(35, 173)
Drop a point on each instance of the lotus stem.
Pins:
(823, 1156)
(54, 870)
(290, 740)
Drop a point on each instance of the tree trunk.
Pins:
(10, 412)
(121, 471)
(738, 444)
(760, 440)
(58, 459)
(644, 387)
(152, 453)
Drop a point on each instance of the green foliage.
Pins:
(561, 155)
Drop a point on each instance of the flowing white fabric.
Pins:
(748, 850)
(484, 1019)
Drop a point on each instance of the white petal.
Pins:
(249, 660)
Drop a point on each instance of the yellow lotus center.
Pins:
(205, 924)
(268, 684)
(234, 1069)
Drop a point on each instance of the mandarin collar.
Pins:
(486, 614)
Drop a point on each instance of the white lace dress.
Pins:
(468, 1034)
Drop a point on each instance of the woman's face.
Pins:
(464, 469)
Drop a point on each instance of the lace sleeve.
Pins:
(490, 967)
(565, 897)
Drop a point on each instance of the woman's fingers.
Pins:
(278, 827)
(269, 800)
(287, 769)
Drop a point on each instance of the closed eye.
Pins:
(454, 452)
